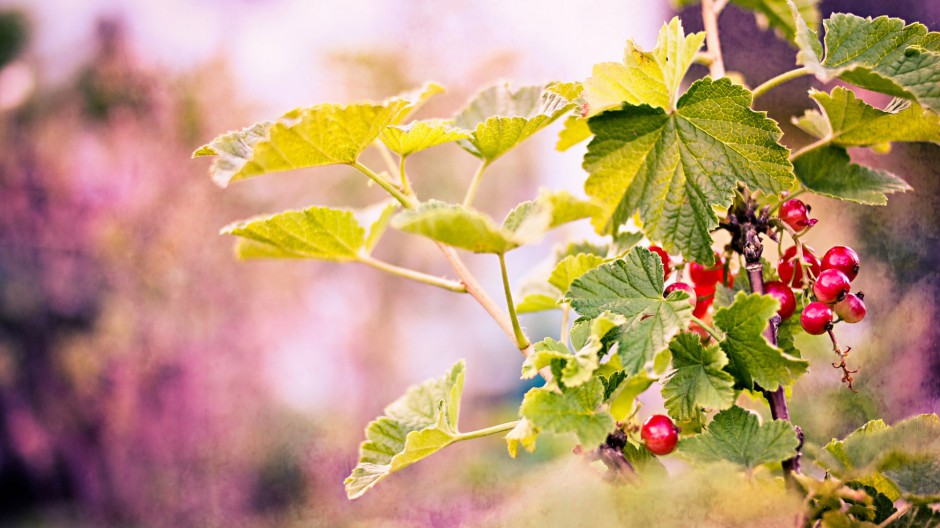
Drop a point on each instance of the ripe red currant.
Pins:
(784, 295)
(792, 273)
(851, 309)
(816, 318)
(682, 287)
(705, 296)
(660, 434)
(709, 275)
(843, 259)
(795, 214)
(831, 286)
(664, 257)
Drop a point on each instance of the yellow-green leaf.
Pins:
(317, 232)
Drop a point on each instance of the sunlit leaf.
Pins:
(457, 226)
(316, 232)
(645, 77)
(500, 118)
(524, 435)
(414, 426)
(405, 140)
(577, 410)
(698, 381)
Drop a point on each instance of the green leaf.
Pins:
(698, 381)
(549, 210)
(737, 436)
(903, 459)
(501, 118)
(696, 157)
(414, 426)
(851, 122)
(829, 171)
(645, 77)
(577, 410)
(632, 287)
(325, 134)
(316, 233)
(776, 14)
(378, 226)
(612, 383)
(537, 297)
(579, 367)
(751, 358)
(574, 130)
(622, 405)
(524, 435)
(881, 54)
(458, 226)
(571, 268)
(405, 140)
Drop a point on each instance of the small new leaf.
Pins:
(673, 168)
(325, 134)
(405, 140)
(751, 358)
(500, 118)
(577, 410)
(737, 436)
(414, 426)
(571, 268)
(644, 77)
(524, 435)
(698, 381)
(317, 233)
(457, 226)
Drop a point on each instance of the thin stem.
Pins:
(521, 340)
(405, 184)
(720, 6)
(407, 202)
(710, 20)
(387, 158)
(806, 148)
(447, 284)
(479, 433)
(772, 83)
(474, 184)
(714, 333)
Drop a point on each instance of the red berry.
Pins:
(831, 286)
(793, 274)
(707, 275)
(784, 295)
(660, 434)
(665, 258)
(702, 305)
(795, 214)
(843, 259)
(681, 286)
(851, 309)
(816, 318)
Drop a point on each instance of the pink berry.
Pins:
(816, 318)
(851, 309)
(681, 286)
(843, 259)
(707, 275)
(831, 286)
(660, 434)
(665, 258)
(792, 273)
(784, 295)
(795, 214)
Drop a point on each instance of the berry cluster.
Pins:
(704, 280)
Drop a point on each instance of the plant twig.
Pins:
(895, 516)
(447, 284)
(521, 340)
(814, 145)
(479, 433)
(405, 201)
(846, 372)
(772, 83)
(714, 333)
(710, 19)
(475, 184)
(565, 315)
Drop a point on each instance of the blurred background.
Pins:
(149, 379)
